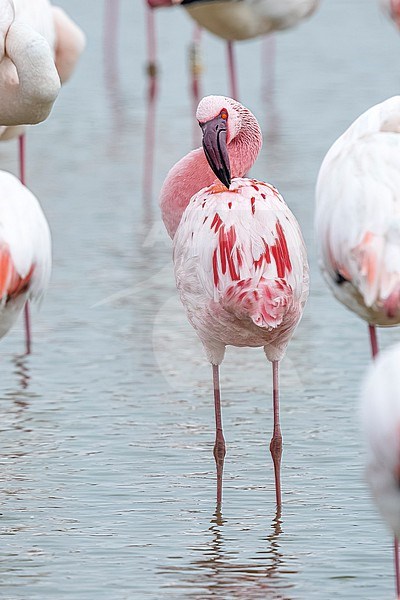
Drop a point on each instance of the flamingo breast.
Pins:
(241, 267)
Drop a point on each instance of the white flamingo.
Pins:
(381, 420)
(39, 47)
(240, 260)
(25, 250)
(358, 219)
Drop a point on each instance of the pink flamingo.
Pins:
(25, 250)
(357, 220)
(53, 43)
(240, 260)
(381, 419)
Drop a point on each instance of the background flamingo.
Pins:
(358, 219)
(232, 21)
(240, 260)
(25, 250)
(381, 420)
(54, 43)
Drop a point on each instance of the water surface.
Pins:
(107, 475)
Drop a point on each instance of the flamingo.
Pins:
(392, 9)
(247, 19)
(28, 88)
(239, 257)
(358, 219)
(381, 424)
(25, 249)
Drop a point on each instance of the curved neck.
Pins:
(30, 99)
(244, 149)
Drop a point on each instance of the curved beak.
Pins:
(215, 148)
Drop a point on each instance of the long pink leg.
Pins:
(195, 69)
(232, 72)
(151, 108)
(21, 145)
(276, 441)
(219, 446)
(374, 350)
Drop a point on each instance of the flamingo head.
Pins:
(231, 134)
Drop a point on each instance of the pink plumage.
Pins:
(240, 260)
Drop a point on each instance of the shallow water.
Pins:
(107, 475)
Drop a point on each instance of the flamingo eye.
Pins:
(223, 114)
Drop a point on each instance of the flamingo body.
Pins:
(241, 268)
(381, 424)
(358, 215)
(247, 19)
(25, 249)
(240, 261)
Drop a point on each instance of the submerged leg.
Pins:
(21, 146)
(276, 441)
(219, 446)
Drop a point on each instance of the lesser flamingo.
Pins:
(240, 260)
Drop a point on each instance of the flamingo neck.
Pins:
(192, 173)
(244, 149)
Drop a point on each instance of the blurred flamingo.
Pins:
(25, 250)
(381, 420)
(358, 219)
(240, 260)
(230, 20)
(28, 88)
(392, 9)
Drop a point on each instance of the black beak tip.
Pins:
(225, 178)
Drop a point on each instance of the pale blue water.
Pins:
(106, 468)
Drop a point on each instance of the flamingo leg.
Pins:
(276, 441)
(21, 148)
(195, 70)
(397, 566)
(219, 446)
(374, 350)
(232, 71)
(374, 340)
(152, 73)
